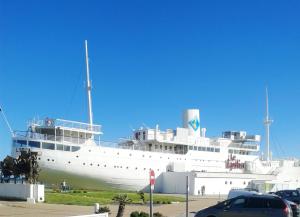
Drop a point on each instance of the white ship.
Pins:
(72, 151)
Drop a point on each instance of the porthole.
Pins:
(118, 153)
(126, 167)
(89, 150)
(105, 165)
(230, 182)
(98, 165)
(77, 156)
(83, 163)
(48, 159)
(69, 162)
(52, 160)
(136, 168)
(91, 164)
(39, 158)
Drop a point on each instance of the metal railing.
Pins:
(67, 124)
(53, 138)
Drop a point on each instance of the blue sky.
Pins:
(149, 61)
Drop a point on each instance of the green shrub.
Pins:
(157, 214)
(139, 214)
(169, 202)
(143, 214)
(135, 214)
(103, 209)
(84, 191)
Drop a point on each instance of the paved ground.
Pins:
(9, 208)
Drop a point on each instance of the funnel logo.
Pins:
(194, 124)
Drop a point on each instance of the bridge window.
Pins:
(34, 144)
(67, 148)
(75, 148)
(18, 143)
(59, 147)
(47, 145)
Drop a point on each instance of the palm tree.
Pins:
(122, 199)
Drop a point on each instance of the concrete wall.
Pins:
(211, 183)
(22, 191)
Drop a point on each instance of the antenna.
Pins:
(267, 123)
(88, 85)
(6, 121)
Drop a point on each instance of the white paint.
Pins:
(189, 116)
(22, 191)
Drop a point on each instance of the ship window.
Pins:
(20, 143)
(217, 149)
(67, 148)
(59, 147)
(75, 148)
(190, 147)
(34, 144)
(199, 148)
(166, 147)
(47, 145)
(195, 148)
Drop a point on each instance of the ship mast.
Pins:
(267, 123)
(88, 87)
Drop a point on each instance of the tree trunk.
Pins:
(121, 210)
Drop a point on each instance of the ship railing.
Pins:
(146, 148)
(245, 146)
(54, 138)
(49, 122)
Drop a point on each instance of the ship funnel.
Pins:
(191, 121)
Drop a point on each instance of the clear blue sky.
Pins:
(149, 61)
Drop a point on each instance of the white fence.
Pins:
(22, 191)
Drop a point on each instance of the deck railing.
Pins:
(48, 122)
